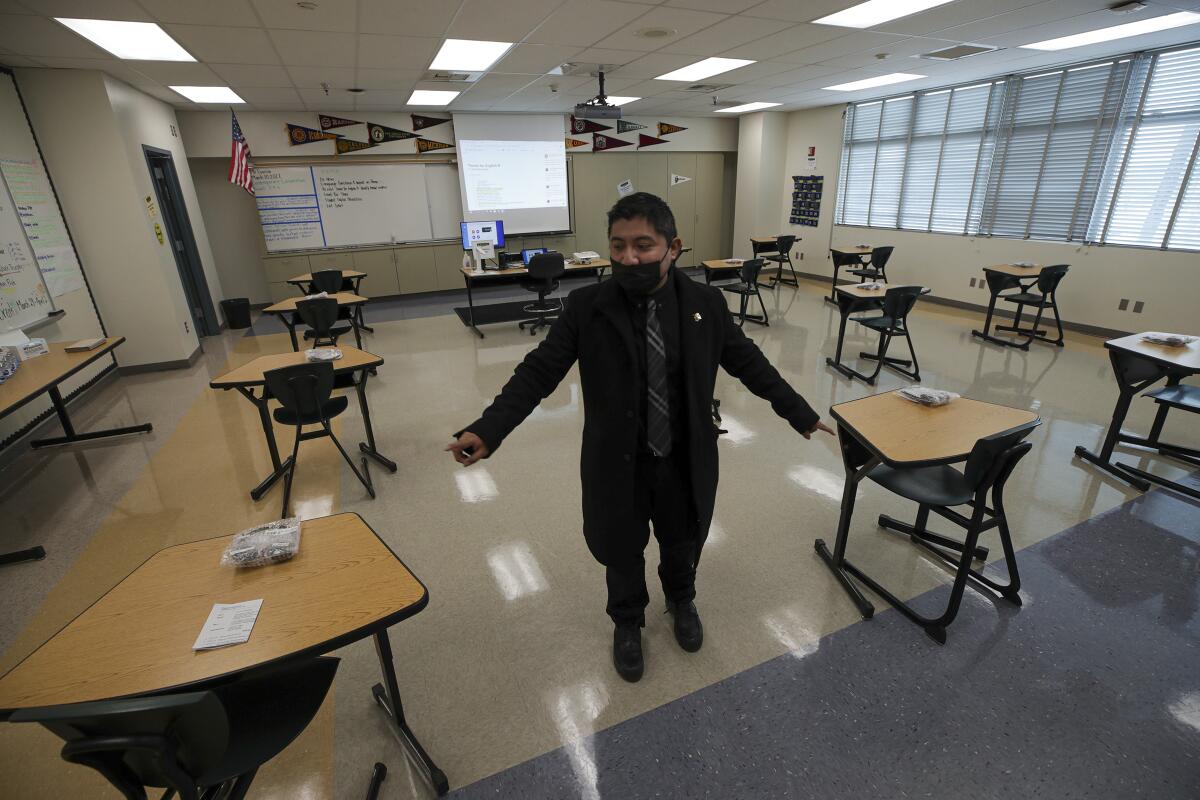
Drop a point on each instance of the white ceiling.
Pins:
(277, 56)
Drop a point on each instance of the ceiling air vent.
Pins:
(706, 88)
(441, 76)
(958, 51)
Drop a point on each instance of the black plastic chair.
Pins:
(1047, 285)
(898, 301)
(304, 393)
(938, 489)
(331, 281)
(747, 287)
(876, 268)
(319, 315)
(204, 744)
(840, 259)
(544, 271)
(781, 256)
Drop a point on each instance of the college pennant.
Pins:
(646, 141)
(328, 122)
(426, 145)
(665, 127)
(298, 134)
(575, 142)
(420, 122)
(587, 126)
(344, 145)
(600, 142)
(626, 127)
(381, 133)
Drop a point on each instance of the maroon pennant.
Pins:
(328, 122)
(587, 126)
(420, 122)
(646, 141)
(600, 142)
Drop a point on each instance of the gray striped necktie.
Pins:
(658, 412)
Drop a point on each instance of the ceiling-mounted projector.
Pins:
(598, 107)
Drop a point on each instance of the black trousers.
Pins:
(664, 499)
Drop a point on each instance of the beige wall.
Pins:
(762, 149)
(237, 243)
(1099, 277)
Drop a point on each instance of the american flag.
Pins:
(239, 159)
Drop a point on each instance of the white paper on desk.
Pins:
(228, 623)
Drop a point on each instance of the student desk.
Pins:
(473, 276)
(44, 374)
(344, 585)
(286, 309)
(250, 376)
(302, 282)
(852, 298)
(716, 268)
(1138, 365)
(887, 429)
(999, 278)
(763, 244)
(862, 251)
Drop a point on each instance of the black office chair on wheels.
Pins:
(544, 271)
(197, 745)
(1043, 298)
(781, 256)
(840, 259)
(898, 301)
(304, 393)
(747, 287)
(319, 315)
(876, 268)
(939, 489)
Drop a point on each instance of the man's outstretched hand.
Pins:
(469, 448)
(820, 426)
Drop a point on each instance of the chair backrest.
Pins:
(880, 256)
(165, 741)
(319, 314)
(899, 300)
(302, 388)
(1049, 277)
(784, 244)
(327, 280)
(993, 457)
(547, 266)
(750, 269)
(841, 259)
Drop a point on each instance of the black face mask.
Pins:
(639, 279)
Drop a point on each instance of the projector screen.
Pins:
(513, 167)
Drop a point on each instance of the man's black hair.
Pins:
(649, 207)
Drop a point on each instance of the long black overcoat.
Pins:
(596, 330)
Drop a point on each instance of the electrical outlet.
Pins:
(1138, 306)
(187, 328)
(1123, 305)
(972, 283)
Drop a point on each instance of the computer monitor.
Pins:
(528, 254)
(484, 231)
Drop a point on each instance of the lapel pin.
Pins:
(697, 316)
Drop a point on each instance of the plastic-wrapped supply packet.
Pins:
(1169, 339)
(316, 295)
(269, 543)
(870, 286)
(322, 354)
(926, 396)
(10, 361)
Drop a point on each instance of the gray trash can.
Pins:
(237, 312)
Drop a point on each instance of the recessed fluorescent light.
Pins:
(704, 69)
(876, 12)
(1118, 31)
(745, 107)
(431, 97)
(869, 83)
(208, 94)
(138, 41)
(468, 55)
(620, 101)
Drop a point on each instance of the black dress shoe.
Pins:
(688, 630)
(627, 652)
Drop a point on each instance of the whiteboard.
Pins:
(320, 206)
(24, 297)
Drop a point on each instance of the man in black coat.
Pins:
(648, 344)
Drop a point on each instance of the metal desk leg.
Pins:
(357, 330)
(362, 323)
(832, 296)
(836, 561)
(278, 468)
(290, 322)
(387, 694)
(836, 361)
(471, 307)
(368, 446)
(996, 284)
(71, 436)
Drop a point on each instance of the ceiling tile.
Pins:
(652, 65)
(313, 77)
(382, 98)
(252, 75)
(329, 15)
(856, 42)
(396, 52)
(178, 73)
(121, 70)
(798, 75)
(535, 59)
(14, 7)
(959, 12)
(899, 55)
(1030, 16)
(209, 12)
(407, 17)
(681, 20)
(127, 10)
(611, 58)
(40, 36)
(788, 40)
(222, 45)
(719, 6)
(322, 101)
(482, 19)
(470, 103)
(313, 49)
(256, 95)
(391, 79)
(730, 32)
(585, 22)
(754, 73)
(800, 12)
(277, 106)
